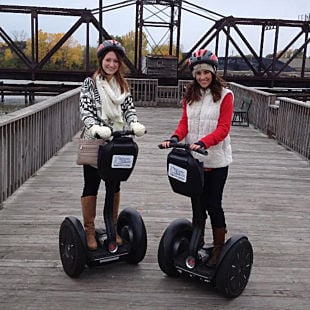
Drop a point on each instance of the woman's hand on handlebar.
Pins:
(165, 144)
(198, 147)
(195, 146)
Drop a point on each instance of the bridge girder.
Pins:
(221, 30)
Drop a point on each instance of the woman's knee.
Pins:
(216, 214)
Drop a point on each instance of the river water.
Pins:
(14, 103)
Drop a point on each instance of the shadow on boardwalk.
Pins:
(267, 198)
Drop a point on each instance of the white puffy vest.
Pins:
(202, 118)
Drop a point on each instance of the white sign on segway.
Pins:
(122, 161)
(177, 173)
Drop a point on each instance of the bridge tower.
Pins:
(159, 14)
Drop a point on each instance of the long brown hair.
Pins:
(193, 90)
(118, 74)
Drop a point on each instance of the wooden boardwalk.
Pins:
(267, 197)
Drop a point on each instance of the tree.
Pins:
(69, 56)
(8, 59)
(163, 50)
(128, 41)
(19, 36)
(93, 61)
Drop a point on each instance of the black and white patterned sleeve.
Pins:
(129, 111)
(88, 111)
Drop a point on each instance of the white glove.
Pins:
(103, 132)
(138, 129)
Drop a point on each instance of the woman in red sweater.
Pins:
(205, 123)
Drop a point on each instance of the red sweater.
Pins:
(222, 128)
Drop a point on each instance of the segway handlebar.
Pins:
(120, 133)
(185, 146)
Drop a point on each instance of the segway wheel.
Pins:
(131, 228)
(71, 249)
(234, 271)
(174, 241)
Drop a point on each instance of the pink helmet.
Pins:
(203, 56)
(110, 45)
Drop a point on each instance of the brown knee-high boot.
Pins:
(89, 214)
(218, 242)
(116, 202)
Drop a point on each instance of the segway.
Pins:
(181, 251)
(116, 160)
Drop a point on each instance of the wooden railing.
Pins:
(147, 92)
(260, 108)
(167, 95)
(30, 90)
(31, 136)
(144, 91)
(293, 125)
(284, 119)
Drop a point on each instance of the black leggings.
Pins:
(92, 181)
(211, 198)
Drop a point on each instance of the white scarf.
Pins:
(111, 100)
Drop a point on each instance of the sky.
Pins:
(193, 27)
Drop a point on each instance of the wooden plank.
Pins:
(267, 198)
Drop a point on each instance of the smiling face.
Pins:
(110, 64)
(204, 78)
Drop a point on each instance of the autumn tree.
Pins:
(128, 41)
(8, 59)
(163, 50)
(69, 56)
(93, 61)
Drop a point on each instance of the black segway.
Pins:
(116, 160)
(181, 250)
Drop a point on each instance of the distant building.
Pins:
(239, 64)
(157, 66)
(296, 63)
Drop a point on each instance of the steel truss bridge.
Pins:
(224, 31)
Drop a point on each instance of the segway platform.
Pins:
(102, 255)
(201, 271)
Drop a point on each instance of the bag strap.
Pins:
(82, 133)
